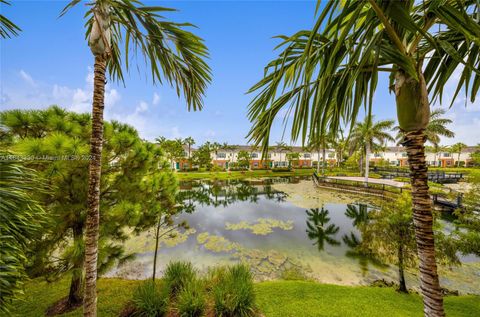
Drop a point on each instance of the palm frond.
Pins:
(172, 53)
(7, 27)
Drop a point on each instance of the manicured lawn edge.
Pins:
(276, 298)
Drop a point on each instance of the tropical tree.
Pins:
(370, 134)
(320, 142)
(436, 128)
(172, 148)
(201, 156)
(293, 158)
(282, 147)
(174, 55)
(137, 186)
(328, 73)
(7, 27)
(458, 148)
(189, 142)
(21, 222)
(243, 159)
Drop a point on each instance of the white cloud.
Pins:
(142, 107)
(27, 78)
(156, 98)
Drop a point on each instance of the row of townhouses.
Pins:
(277, 157)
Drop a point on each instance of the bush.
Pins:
(234, 294)
(192, 169)
(239, 168)
(191, 300)
(150, 300)
(281, 169)
(177, 275)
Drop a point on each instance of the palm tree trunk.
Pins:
(367, 162)
(423, 221)
(323, 161)
(318, 162)
(95, 169)
(360, 165)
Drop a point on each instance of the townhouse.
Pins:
(280, 157)
(277, 157)
(397, 156)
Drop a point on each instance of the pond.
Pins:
(277, 225)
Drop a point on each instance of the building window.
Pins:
(269, 155)
(377, 155)
(254, 155)
(255, 164)
(404, 154)
(222, 155)
(307, 155)
(446, 154)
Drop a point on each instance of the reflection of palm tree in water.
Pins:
(318, 228)
(359, 214)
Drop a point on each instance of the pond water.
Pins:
(277, 225)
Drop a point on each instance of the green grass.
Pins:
(279, 298)
(297, 298)
(241, 174)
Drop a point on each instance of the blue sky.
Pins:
(50, 63)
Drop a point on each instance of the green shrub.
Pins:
(191, 300)
(234, 295)
(177, 275)
(150, 300)
(214, 276)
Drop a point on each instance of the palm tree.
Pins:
(7, 27)
(189, 142)
(368, 135)
(321, 142)
(458, 148)
(282, 147)
(173, 54)
(328, 73)
(436, 128)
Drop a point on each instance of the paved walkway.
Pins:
(390, 182)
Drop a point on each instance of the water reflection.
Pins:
(251, 220)
(319, 229)
(226, 192)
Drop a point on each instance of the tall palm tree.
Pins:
(436, 128)
(7, 27)
(320, 142)
(328, 73)
(173, 54)
(458, 148)
(189, 142)
(370, 134)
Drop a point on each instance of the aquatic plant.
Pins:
(263, 226)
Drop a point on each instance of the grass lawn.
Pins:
(278, 298)
(241, 174)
